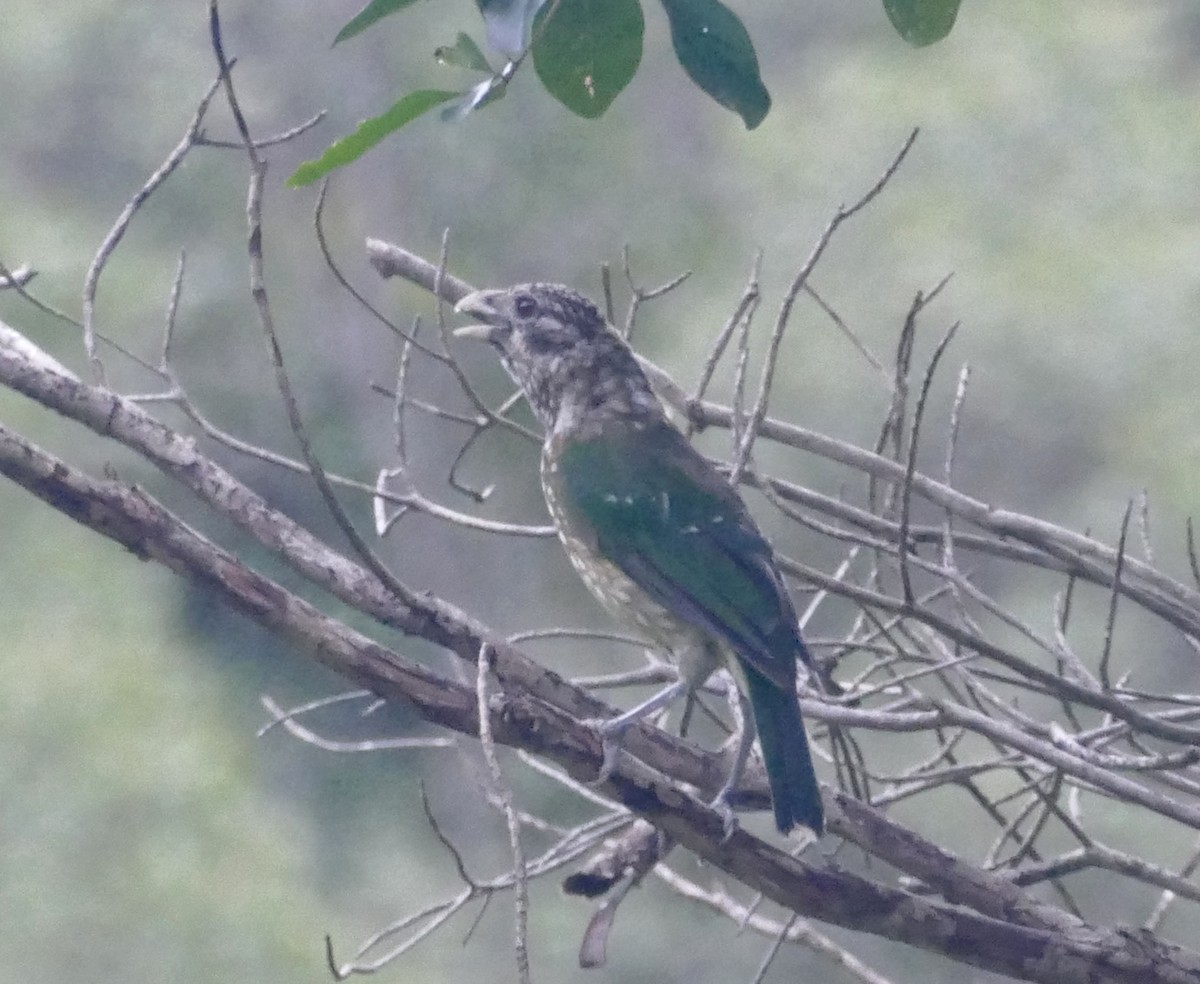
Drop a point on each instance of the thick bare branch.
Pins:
(1061, 956)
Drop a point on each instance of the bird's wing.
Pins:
(665, 517)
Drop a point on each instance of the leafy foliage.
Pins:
(509, 23)
(368, 134)
(585, 52)
(922, 22)
(372, 12)
(588, 52)
(464, 53)
(717, 53)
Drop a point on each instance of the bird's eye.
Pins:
(525, 306)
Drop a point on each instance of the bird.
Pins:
(655, 531)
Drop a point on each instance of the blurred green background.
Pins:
(145, 833)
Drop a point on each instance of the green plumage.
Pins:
(652, 528)
(644, 501)
(795, 795)
(661, 514)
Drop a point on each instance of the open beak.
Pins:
(480, 305)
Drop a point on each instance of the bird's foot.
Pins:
(729, 822)
(611, 732)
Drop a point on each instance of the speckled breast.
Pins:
(690, 647)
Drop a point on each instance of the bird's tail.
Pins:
(794, 791)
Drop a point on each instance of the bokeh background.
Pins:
(145, 833)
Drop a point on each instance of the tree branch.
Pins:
(1063, 955)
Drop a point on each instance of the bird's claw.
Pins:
(610, 744)
(723, 809)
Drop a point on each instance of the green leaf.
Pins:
(509, 23)
(373, 11)
(922, 22)
(464, 53)
(368, 134)
(715, 50)
(587, 52)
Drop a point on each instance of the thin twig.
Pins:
(910, 470)
(768, 372)
(1114, 598)
(742, 314)
(204, 140)
(258, 291)
(287, 719)
(92, 279)
(500, 789)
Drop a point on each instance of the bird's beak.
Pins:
(480, 305)
(480, 333)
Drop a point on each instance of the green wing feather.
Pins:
(665, 517)
(658, 511)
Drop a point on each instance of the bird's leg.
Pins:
(612, 730)
(685, 719)
(745, 740)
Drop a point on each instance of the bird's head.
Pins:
(559, 349)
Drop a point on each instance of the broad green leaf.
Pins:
(373, 11)
(587, 51)
(922, 22)
(509, 23)
(715, 50)
(368, 134)
(464, 53)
